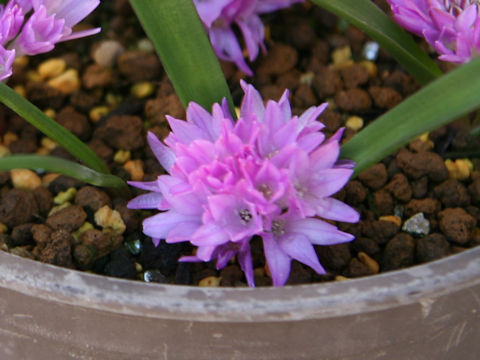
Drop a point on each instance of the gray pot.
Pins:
(424, 312)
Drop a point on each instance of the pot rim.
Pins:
(418, 284)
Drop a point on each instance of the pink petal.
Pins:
(278, 262)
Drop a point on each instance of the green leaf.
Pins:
(62, 166)
(372, 21)
(182, 44)
(439, 103)
(50, 128)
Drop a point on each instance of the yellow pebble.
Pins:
(138, 267)
(57, 208)
(371, 68)
(48, 143)
(86, 226)
(25, 179)
(48, 178)
(21, 61)
(51, 68)
(392, 218)
(460, 169)
(43, 151)
(51, 113)
(307, 78)
(98, 112)
(33, 76)
(20, 90)
(367, 260)
(9, 138)
(4, 151)
(112, 99)
(122, 156)
(142, 89)
(341, 278)
(110, 219)
(65, 196)
(354, 123)
(210, 281)
(3, 228)
(68, 82)
(342, 56)
(135, 169)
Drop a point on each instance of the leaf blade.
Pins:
(63, 166)
(184, 49)
(50, 128)
(437, 104)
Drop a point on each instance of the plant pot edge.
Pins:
(422, 283)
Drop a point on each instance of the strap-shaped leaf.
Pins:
(184, 49)
(372, 21)
(442, 101)
(52, 129)
(62, 166)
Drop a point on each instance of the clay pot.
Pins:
(424, 312)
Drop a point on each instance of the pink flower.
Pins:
(48, 22)
(269, 174)
(452, 27)
(221, 16)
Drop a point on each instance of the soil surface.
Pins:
(417, 205)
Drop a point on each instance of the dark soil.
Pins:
(415, 205)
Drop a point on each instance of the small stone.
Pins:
(134, 246)
(341, 56)
(135, 169)
(460, 169)
(399, 252)
(395, 219)
(354, 123)
(3, 228)
(48, 143)
(96, 76)
(417, 225)
(139, 65)
(142, 89)
(452, 193)
(457, 224)
(356, 268)
(67, 83)
(107, 52)
(65, 196)
(375, 176)
(98, 112)
(17, 207)
(51, 68)
(154, 276)
(432, 247)
(92, 198)
(58, 249)
(210, 281)
(369, 262)
(370, 50)
(84, 255)
(122, 156)
(121, 265)
(86, 226)
(25, 179)
(107, 218)
(69, 218)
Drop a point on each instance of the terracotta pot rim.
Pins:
(423, 284)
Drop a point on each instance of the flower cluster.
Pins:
(219, 17)
(269, 174)
(452, 27)
(29, 27)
